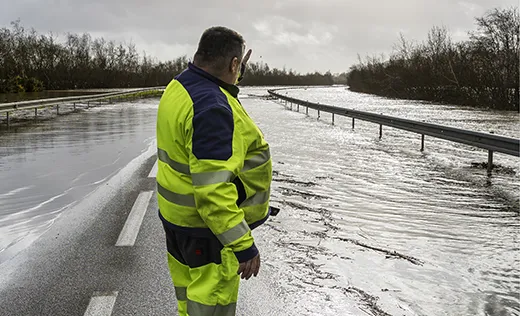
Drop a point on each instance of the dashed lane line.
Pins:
(129, 232)
(101, 304)
(153, 172)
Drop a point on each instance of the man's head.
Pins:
(220, 53)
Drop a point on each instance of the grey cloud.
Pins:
(305, 35)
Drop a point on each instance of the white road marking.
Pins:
(101, 304)
(153, 172)
(129, 232)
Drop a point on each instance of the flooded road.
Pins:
(352, 201)
(367, 227)
(48, 166)
(505, 123)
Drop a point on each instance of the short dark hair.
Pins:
(217, 46)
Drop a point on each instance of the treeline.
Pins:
(482, 71)
(259, 74)
(30, 62)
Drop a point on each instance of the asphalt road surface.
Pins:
(107, 257)
(77, 269)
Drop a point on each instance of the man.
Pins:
(214, 178)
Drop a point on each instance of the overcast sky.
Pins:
(305, 35)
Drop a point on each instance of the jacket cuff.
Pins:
(246, 255)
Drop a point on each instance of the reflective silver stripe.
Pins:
(207, 178)
(257, 160)
(180, 199)
(257, 199)
(198, 309)
(177, 166)
(234, 233)
(180, 293)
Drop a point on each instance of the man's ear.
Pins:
(235, 65)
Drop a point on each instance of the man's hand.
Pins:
(249, 268)
(246, 57)
(243, 66)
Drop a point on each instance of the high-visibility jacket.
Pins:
(214, 170)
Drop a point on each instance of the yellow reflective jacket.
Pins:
(214, 170)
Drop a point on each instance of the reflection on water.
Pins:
(53, 164)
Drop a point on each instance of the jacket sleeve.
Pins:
(217, 154)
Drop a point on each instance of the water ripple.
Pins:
(431, 205)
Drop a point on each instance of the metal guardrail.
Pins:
(41, 103)
(490, 142)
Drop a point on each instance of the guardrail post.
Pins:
(318, 114)
(8, 119)
(298, 107)
(307, 110)
(422, 142)
(35, 113)
(353, 123)
(57, 110)
(490, 163)
(380, 131)
(74, 105)
(291, 106)
(332, 118)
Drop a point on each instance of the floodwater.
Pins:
(52, 164)
(367, 227)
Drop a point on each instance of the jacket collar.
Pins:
(231, 88)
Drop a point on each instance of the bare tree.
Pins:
(483, 71)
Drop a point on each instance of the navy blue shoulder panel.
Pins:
(212, 117)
